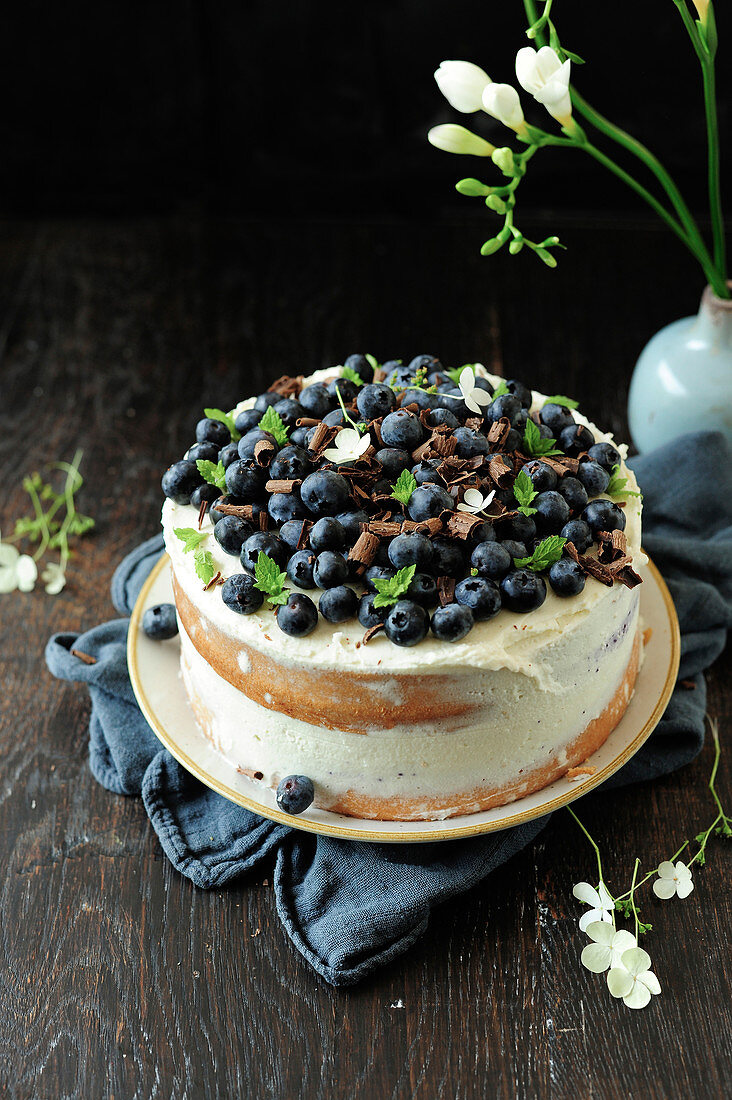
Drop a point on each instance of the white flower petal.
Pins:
(650, 980)
(606, 900)
(636, 961)
(502, 101)
(8, 581)
(26, 572)
(473, 497)
(8, 555)
(666, 869)
(684, 888)
(466, 381)
(638, 997)
(456, 139)
(462, 84)
(619, 982)
(471, 403)
(589, 917)
(347, 439)
(682, 871)
(583, 891)
(664, 888)
(595, 957)
(601, 932)
(526, 68)
(623, 940)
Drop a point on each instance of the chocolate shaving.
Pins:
(370, 633)
(286, 386)
(591, 566)
(323, 435)
(571, 465)
(687, 685)
(444, 445)
(364, 549)
(613, 546)
(263, 520)
(429, 527)
(474, 422)
(202, 512)
(500, 473)
(446, 590)
(283, 485)
(379, 375)
(498, 431)
(85, 657)
(307, 421)
(264, 452)
(606, 572)
(423, 451)
(375, 429)
(460, 524)
(214, 580)
(241, 511)
(302, 538)
(552, 463)
(384, 529)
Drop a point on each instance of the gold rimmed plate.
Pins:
(155, 675)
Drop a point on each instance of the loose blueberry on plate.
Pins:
(407, 623)
(228, 454)
(245, 481)
(552, 512)
(269, 544)
(449, 559)
(179, 481)
(573, 492)
(248, 442)
(264, 400)
(295, 793)
(324, 492)
(578, 533)
(368, 615)
(231, 533)
(491, 559)
(336, 418)
(247, 420)
(515, 548)
(375, 400)
(330, 569)
(402, 429)
(361, 365)
(425, 473)
(239, 594)
(290, 462)
(212, 431)
(442, 416)
(338, 604)
(523, 590)
(206, 452)
(506, 405)
(300, 568)
(297, 617)
(420, 398)
(290, 532)
(315, 400)
(542, 476)
(575, 439)
(159, 622)
(469, 443)
(605, 454)
(348, 390)
(521, 528)
(556, 418)
(299, 438)
(206, 492)
(392, 461)
(480, 595)
(327, 534)
(453, 622)
(351, 523)
(286, 506)
(594, 477)
(428, 502)
(604, 515)
(411, 549)
(423, 590)
(566, 578)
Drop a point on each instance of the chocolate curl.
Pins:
(323, 436)
(498, 431)
(474, 422)
(286, 385)
(446, 590)
(372, 630)
(216, 579)
(306, 421)
(364, 550)
(263, 520)
(86, 658)
(444, 445)
(384, 529)
(241, 511)
(202, 512)
(264, 452)
(282, 485)
(302, 538)
(499, 473)
(460, 524)
(430, 527)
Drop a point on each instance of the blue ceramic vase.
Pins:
(683, 378)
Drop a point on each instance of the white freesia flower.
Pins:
(541, 73)
(602, 904)
(54, 577)
(502, 101)
(473, 501)
(673, 880)
(607, 946)
(632, 979)
(462, 84)
(452, 138)
(349, 446)
(16, 570)
(473, 396)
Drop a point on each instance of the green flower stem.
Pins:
(343, 409)
(597, 850)
(630, 897)
(42, 520)
(73, 483)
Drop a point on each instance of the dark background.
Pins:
(312, 108)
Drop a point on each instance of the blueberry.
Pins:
(442, 416)
(514, 440)
(368, 615)
(248, 442)
(393, 460)
(290, 532)
(523, 590)
(425, 473)
(247, 420)
(299, 438)
(160, 622)
(264, 401)
(469, 443)
(566, 578)
(300, 568)
(573, 492)
(179, 481)
(336, 418)
(231, 533)
(338, 604)
(208, 452)
(402, 429)
(520, 528)
(506, 405)
(228, 454)
(295, 793)
(351, 523)
(362, 367)
(451, 398)
(348, 390)
(483, 384)
(426, 363)
(375, 400)
(449, 559)
(289, 411)
(206, 492)
(428, 502)
(268, 544)
(316, 401)
(407, 623)
(575, 439)
(491, 560)
(482, 532)
(552, 512)
(290, 463)
(377, 573)
(412, 549)
(327, 534)
(397, 374)
(286, 506)
(605, 455)
(245, 480)
(515, 548)
(481, 596)
(420, 398)
(239, 594)
(594, 477)
(330, 569)
(324, 492)
(577, 532)
(542, 476)
(556, 418)
(518, 389)
(297, 617)
(212, 431)
(453, 622)
(423, 590)
(604, 515)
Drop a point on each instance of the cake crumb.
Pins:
(647, 635)
(582, 769)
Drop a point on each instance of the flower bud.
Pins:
(515, 246)
(495, 202)
(462, 84)
(547, 257)
(503, 159)
(472, 187)
(456, 139)
(502, 101)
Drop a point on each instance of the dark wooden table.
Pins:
(117, 977)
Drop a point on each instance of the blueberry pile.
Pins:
(339, 526)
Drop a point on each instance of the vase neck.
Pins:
(714, 320)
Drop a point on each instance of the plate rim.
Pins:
(342, 832)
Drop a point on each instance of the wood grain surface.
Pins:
(118, 978)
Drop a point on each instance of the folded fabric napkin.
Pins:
(350, 907)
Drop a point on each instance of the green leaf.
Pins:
(352, 376)
(472, 188)
(500, 389)
(558, 399)
(391, 589)
(272, 422)
(225, 418)
(204, 563)
(524, 491)
(405, 485)
(372, 361)
(546, 553)
(190, 537)
(534, 445)
(212, 472)
(269, 579)
(454, 374)
(616, 485)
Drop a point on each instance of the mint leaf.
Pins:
(559, 400)
(405, 485)
(190, 537)
(269, 579)
(616, 485)
(534, 445)
(271, 422)
(500, 390)
(212, 472)
(352, 376)
(204, 563)
(225, 418)
(391, 589)
(524, 491)
(455, 374)
(547, 552)
(372, 361)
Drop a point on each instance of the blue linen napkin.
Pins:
(350, 907)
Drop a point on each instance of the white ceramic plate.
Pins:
(154, 671)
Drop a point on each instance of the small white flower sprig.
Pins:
(614, 951)
(54, 524)
(546, 75)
